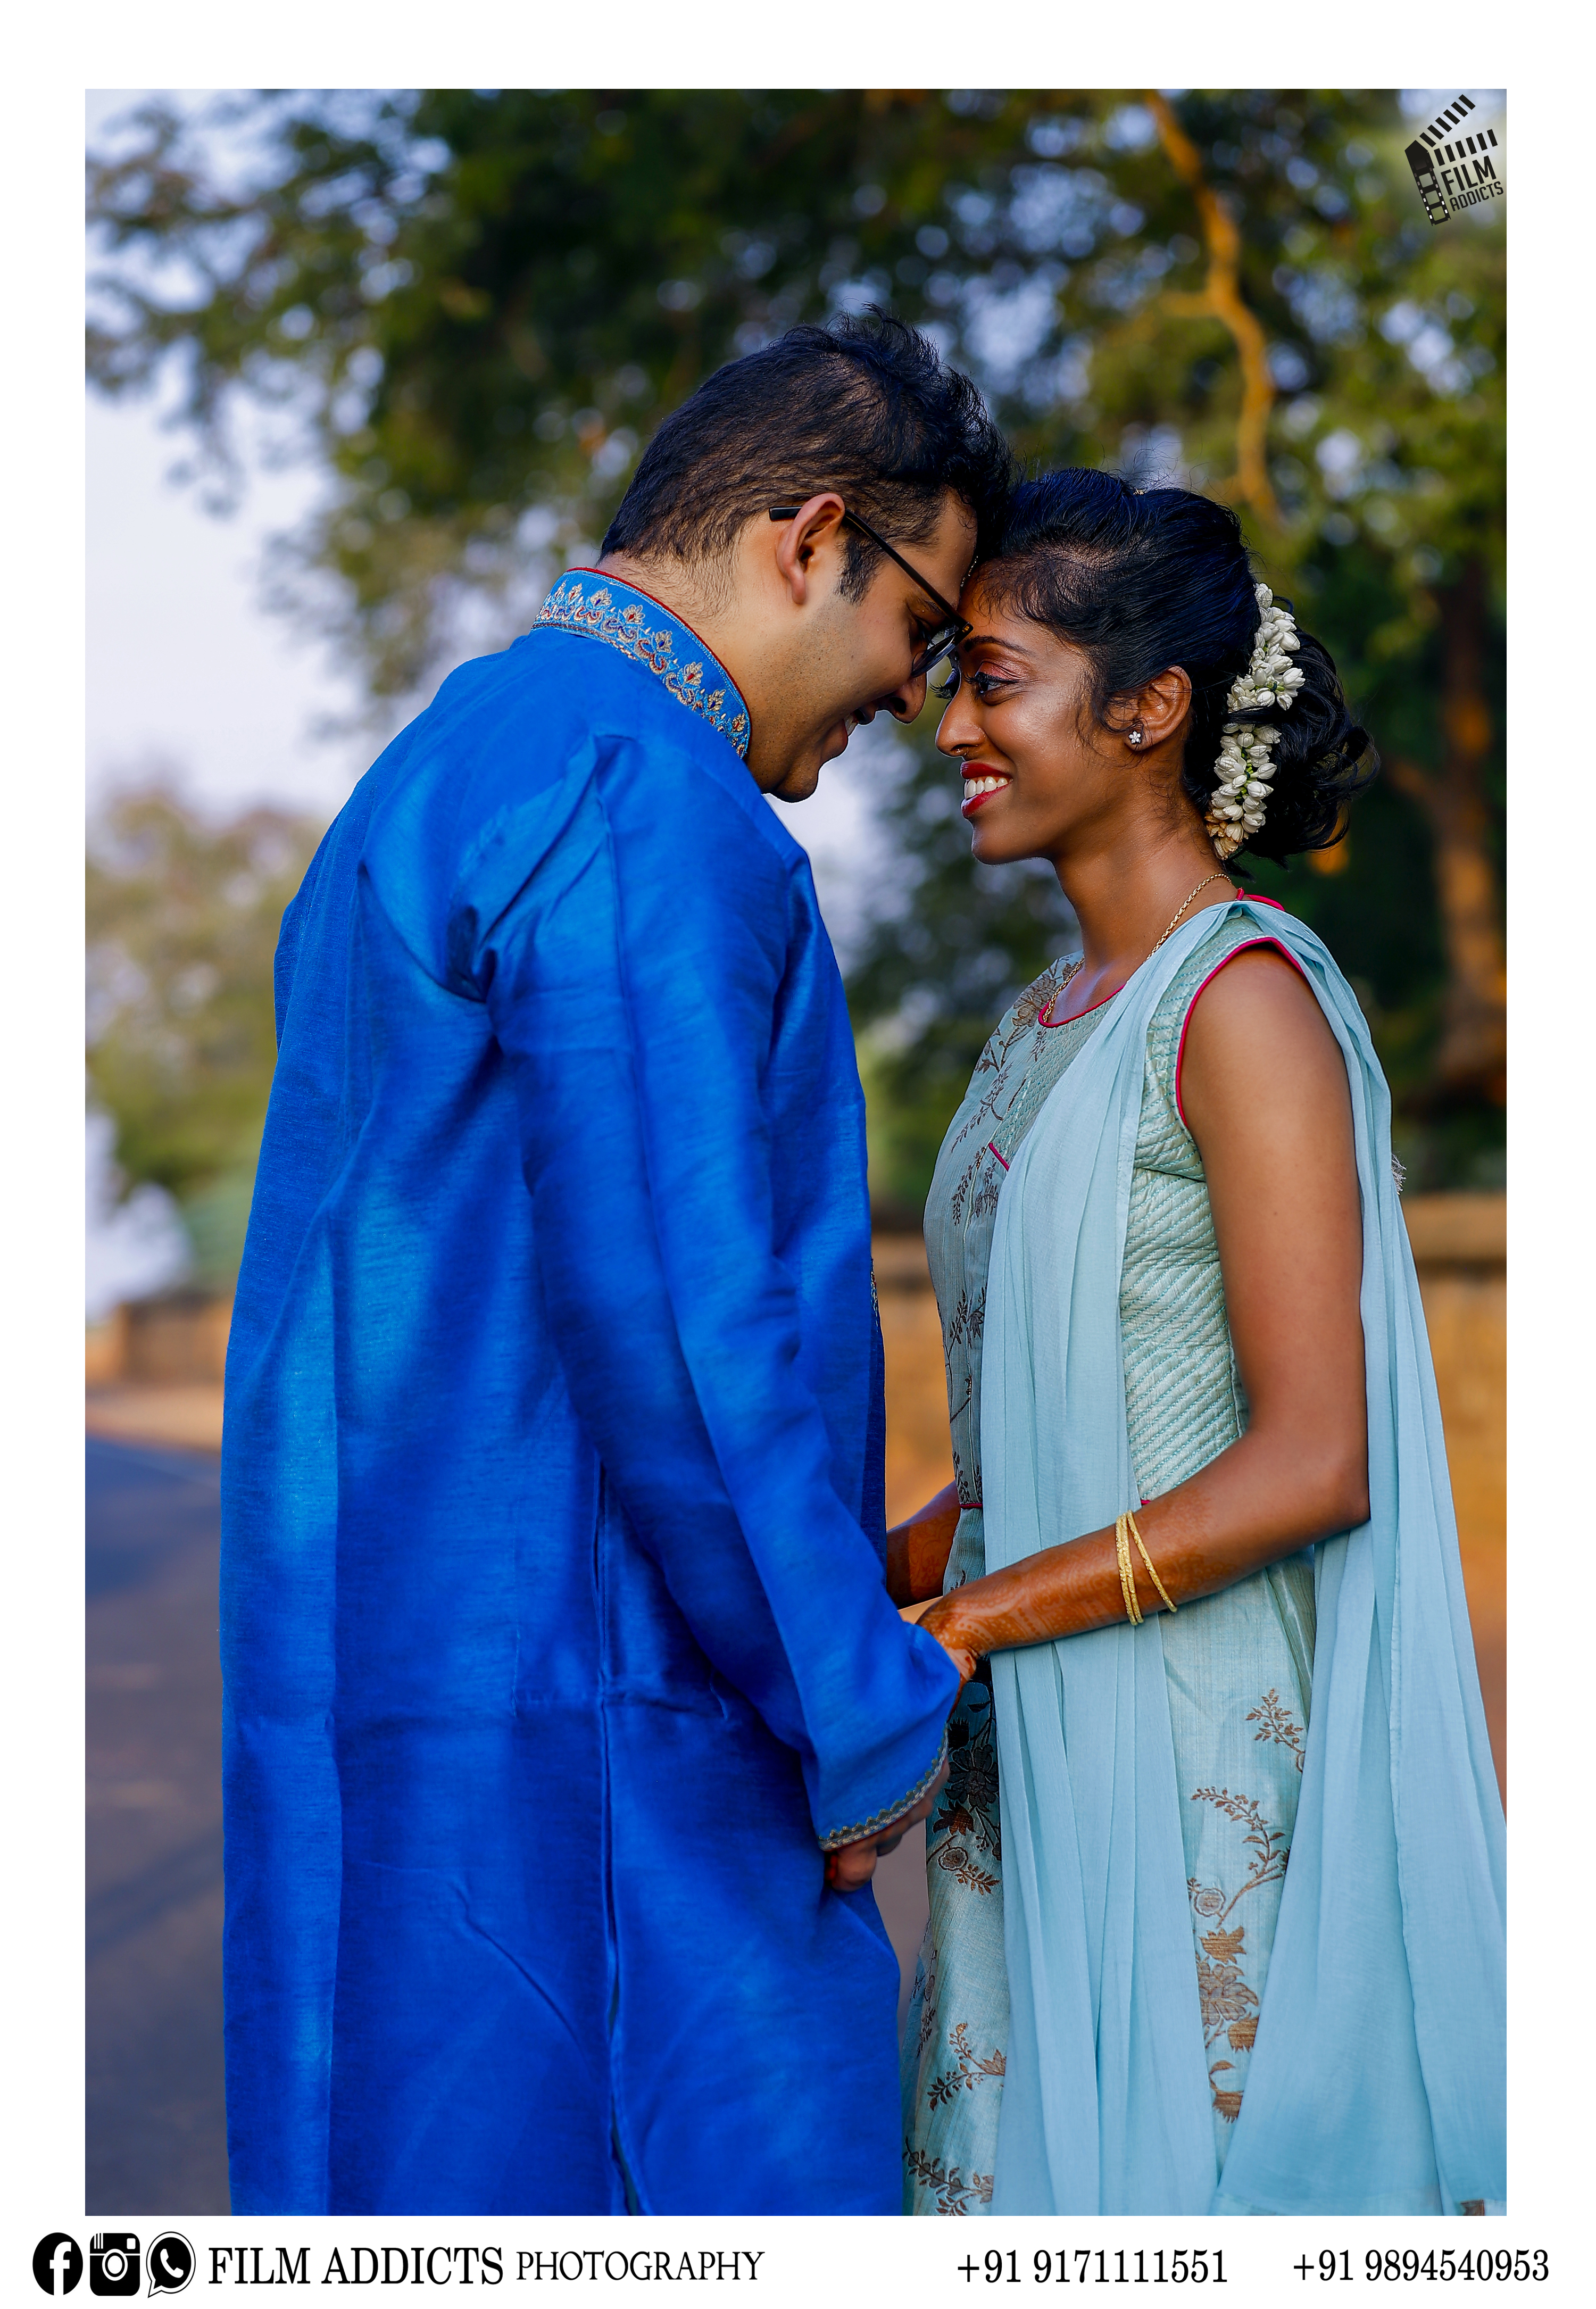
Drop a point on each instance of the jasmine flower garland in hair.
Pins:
(1244, 768)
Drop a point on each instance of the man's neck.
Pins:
(716, 623)
(668, 583)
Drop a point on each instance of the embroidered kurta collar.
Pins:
(644, 629)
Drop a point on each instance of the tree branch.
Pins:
(1222, 296)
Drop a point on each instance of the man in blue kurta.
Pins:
(557, 1652)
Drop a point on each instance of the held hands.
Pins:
(853, 1864)
(918, 1553)
(925, 1614)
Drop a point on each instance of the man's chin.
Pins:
(801, 780)
(799, 783)
(835, 744)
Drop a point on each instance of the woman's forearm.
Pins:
(1263, 1499)
(917, 1550)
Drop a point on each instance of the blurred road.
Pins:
(155, 2116)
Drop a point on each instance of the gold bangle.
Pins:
(1147, 1559)
(1127, 1583)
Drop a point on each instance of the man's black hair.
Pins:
(865, 406)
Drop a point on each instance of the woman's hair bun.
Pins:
(1141, 580)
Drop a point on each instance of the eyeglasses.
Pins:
(948, 636)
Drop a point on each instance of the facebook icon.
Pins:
(57, 2262)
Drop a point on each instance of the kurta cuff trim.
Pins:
(584, 602)
(842, 1836)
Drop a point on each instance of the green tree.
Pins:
(477, 305)
(183, 922)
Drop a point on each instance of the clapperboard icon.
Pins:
(1454, 160)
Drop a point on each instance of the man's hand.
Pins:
(853, 1864)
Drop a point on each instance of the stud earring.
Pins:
(1135, 734)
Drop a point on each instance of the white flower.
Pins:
(1244, 768)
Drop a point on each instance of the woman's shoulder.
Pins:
(1240, 930)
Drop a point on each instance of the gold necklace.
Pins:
(1046, 1019)
(1185, 903)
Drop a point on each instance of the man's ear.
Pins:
(816, 524)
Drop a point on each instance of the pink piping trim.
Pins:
(992, 1149)
(1186, 1022)
(1043, 1019)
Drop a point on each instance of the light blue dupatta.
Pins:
(1378, 2079)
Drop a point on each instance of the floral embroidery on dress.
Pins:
(969, 1497)
(965, 1818)
(1039, 997)
(994, 1059)
(925, 1988)
(978, 1120)
(962, 1191)
(1230, 2006)
(969, 2069)
(956, 1860)
(953, 2196)
(991, 1186)
(615, 612)
(965, 1324)
(1278, 1724)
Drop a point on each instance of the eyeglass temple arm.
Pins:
(790, 512)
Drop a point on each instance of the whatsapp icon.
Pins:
(171, 2262)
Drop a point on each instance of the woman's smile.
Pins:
(980, 783)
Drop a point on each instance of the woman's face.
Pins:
(1038, 772)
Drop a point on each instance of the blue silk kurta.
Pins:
(554, 1627)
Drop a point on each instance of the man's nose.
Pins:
(905, 703)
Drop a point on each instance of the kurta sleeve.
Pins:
(643, 982)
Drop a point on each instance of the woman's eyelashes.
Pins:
(983, 686)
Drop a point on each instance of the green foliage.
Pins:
(183, 920)
(479, 304)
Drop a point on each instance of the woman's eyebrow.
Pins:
(997, 641)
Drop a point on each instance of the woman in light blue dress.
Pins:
(1197, 1562)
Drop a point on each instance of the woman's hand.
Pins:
(961, 1657)
(917, 1548)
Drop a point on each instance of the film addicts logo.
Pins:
(1454, 161)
